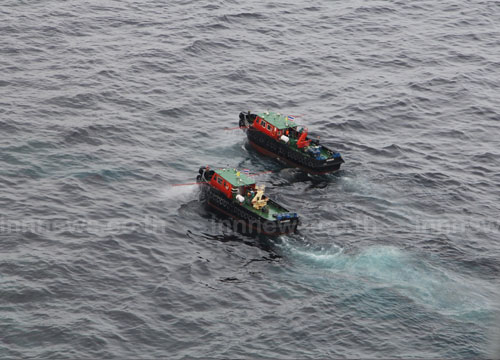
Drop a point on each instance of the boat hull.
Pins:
(246, 220)
(281, 151)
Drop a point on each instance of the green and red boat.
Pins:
(236, 194)
(278, 136)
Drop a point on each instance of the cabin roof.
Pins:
(277, 120)
(230, 175)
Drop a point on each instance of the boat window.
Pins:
(219, 180)
(263, 123)
(268, 126)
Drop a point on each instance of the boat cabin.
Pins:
(232, 182)
(274, 125)
(280, 127)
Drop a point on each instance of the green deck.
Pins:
(273, 209)
(279, 121)
(325, 153)
(230, 175)
(293, 145)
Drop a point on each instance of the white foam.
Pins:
(184, 192)
(428, 283)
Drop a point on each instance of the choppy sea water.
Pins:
(105, 105)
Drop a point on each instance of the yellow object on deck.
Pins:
(259, 201)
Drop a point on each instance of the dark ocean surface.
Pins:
(105, 105)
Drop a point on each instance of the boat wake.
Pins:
(421, 280)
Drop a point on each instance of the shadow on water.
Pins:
(260, 241)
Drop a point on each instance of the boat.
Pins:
(278, 136)
(235, 194)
